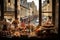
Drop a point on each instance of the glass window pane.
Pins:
(9, 8)
(46, 11)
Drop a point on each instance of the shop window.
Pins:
(46, 14)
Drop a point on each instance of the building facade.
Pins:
(24, 9)
(9, 9)
(47, 7)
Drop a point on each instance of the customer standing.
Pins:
(15, 22)
(4, 25)
(23, 24)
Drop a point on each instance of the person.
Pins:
(15, 22)
(1, 25)
(23, 24)
(4, 25)
(49, 21)
(28, 26)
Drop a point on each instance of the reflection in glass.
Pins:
(46, 11)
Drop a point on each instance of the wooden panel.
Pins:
(2, 9)
(53, 11)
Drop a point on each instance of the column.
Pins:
(15, 9)
(53, 11)
(2, 9)
(40, 13)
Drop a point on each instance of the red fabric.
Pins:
(23, 24)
